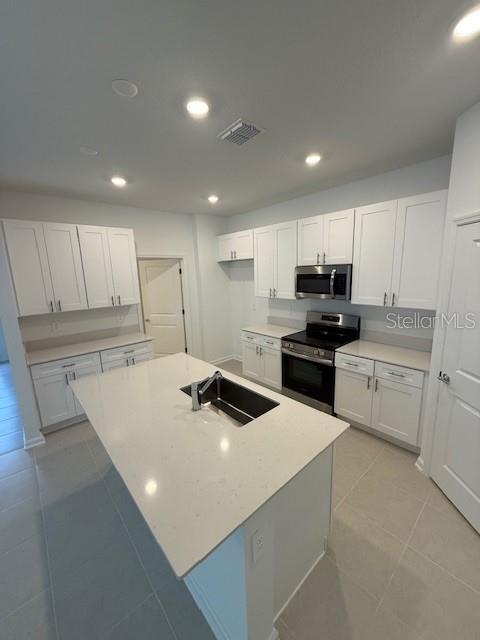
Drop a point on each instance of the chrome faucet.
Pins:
(198, 391)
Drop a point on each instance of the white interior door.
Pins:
(373, 246)
(65, 263)
(163, 305)
(264, 243)
(338, 236)
(456, 453)
(29, 265)
(96, 266)
(418, 248)
(124, 266)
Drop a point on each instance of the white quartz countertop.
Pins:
(270, 330)
(81, 348)
(194, 475)
(401, 356)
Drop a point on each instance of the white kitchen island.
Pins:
(241, 513)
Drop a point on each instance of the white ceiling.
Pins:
(372, 85)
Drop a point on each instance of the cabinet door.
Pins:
(396, 410)
(373, 247)
(310, 241)
(338, 237)
(63, 251)
(97, 267)
(225, 248)
(115, 364)
(252, 364)
(263, 250)
(285, 248)
(29, 266)
(55, 399)
(418, 246)
(353, 396)
(81, 372)
(243, 245)
(271, 367)
(124, 266)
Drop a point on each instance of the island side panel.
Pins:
(301, 514)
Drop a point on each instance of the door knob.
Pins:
(444, 377)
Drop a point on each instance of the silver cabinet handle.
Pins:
(324, 257)
(67, 378)
(274, 292)
(113, 301)
(270, 292)
(256, 349)
(51, 306)
(260, 349)
(385, 299)
(393, 299)
(368, 382)
(235, 254)
(72, 364)
(376, 384)
(59, 305)
(133, 360)
(351, 364)
(231, 254)
(269, 342)
(397, 375)
(119, 301)
(332, 282)
(318, 258)
(128, 362)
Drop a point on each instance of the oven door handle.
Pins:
(309, 358)
(332, 283)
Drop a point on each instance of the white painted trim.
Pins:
(298, 587)
(34, 442)
(467, 218)
(204, 605)
(420, 464)
(225, 359)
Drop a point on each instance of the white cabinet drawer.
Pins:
(130, 351)
(399, 374)
(66, 364)
(353, 363)
(254, 338)
(271, 343)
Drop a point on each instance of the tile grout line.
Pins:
(153, 592)
(118, 622)
(47, 553)
(358, 480)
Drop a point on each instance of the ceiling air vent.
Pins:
(239, 132)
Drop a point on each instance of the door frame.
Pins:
(452, 224)
(186, 293)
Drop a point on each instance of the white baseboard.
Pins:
(225, 359)
(420, 464)
(33, 442)
(298, 587)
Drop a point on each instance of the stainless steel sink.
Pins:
(239, 403)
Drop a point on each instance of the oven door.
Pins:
(313, 382)
(324, 281)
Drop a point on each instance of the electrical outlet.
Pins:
(258, 545)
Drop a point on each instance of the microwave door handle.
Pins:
(332, 283)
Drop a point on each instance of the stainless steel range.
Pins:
(308, 372)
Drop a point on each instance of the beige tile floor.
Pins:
(402, 563)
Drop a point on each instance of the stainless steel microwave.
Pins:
(327, 281)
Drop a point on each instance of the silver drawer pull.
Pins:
(72, 364)
(351, 364)
(250, 338)
(398, 375)
(269, 342)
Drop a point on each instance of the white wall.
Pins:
(3, 346)
(156, 233)
(246, 309)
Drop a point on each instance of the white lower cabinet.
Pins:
(388, 400)
(56, 401)
(262, 359)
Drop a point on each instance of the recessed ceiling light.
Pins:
(118, 181)
(198, 108)
(468, 27)
(124, 88)
(88, 151)
(213, 199)
(313, 159)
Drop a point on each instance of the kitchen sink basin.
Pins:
(239, 403)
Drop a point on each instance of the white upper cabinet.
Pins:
(374, 243)
(97, 267)
(29, 266)
(124, 266)
(338, 236)
(275, 258)
(63, 251)
(418, 246)
(310, 241)
(326, 239)
(235, 246)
